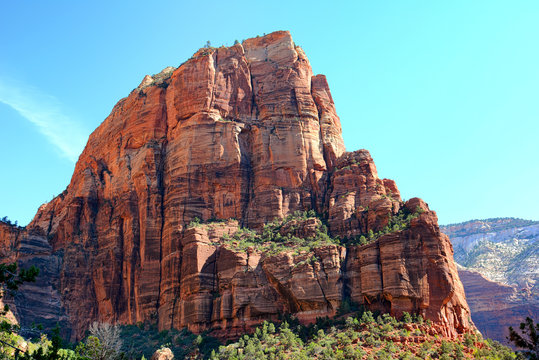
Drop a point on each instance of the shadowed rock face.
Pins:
(500, 271)
(496, 306)
(247, 133)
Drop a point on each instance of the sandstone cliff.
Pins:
(245, 134)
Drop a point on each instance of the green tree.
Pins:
(10, 279)
(52, 350)
(529, 340)
(406, 318)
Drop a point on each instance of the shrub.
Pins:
(406, 318)
(528, 339)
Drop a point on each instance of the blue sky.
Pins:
(443, 94)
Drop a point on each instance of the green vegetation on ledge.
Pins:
(397, 222)
(301, 231)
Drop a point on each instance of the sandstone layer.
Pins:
(246, 133)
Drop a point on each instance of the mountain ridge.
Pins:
(494, 224)
(501, 255)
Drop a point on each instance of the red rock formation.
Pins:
(245, 132)
(359, 201)
(411, 270)
(9, 236)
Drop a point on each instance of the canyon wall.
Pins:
(499, 261)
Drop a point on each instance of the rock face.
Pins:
(500, 271)
(496, 306)
(505, 250)
(39, 302)
(9, 234)
(246, 133)
(163, 354)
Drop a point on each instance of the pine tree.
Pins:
(529, 340)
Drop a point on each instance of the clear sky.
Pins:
(444, 94)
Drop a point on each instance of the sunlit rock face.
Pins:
(246, 134)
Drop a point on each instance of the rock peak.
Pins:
(278, 38)
(248, 133)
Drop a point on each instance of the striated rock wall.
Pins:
(411, 270)
(500, 271)
(9, 236)
(39, 302)
(496, 306)
(246, 133)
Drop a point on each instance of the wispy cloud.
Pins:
(45, 112)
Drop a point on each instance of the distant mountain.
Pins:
(472, 227)
(499, 268)
(504, 250)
